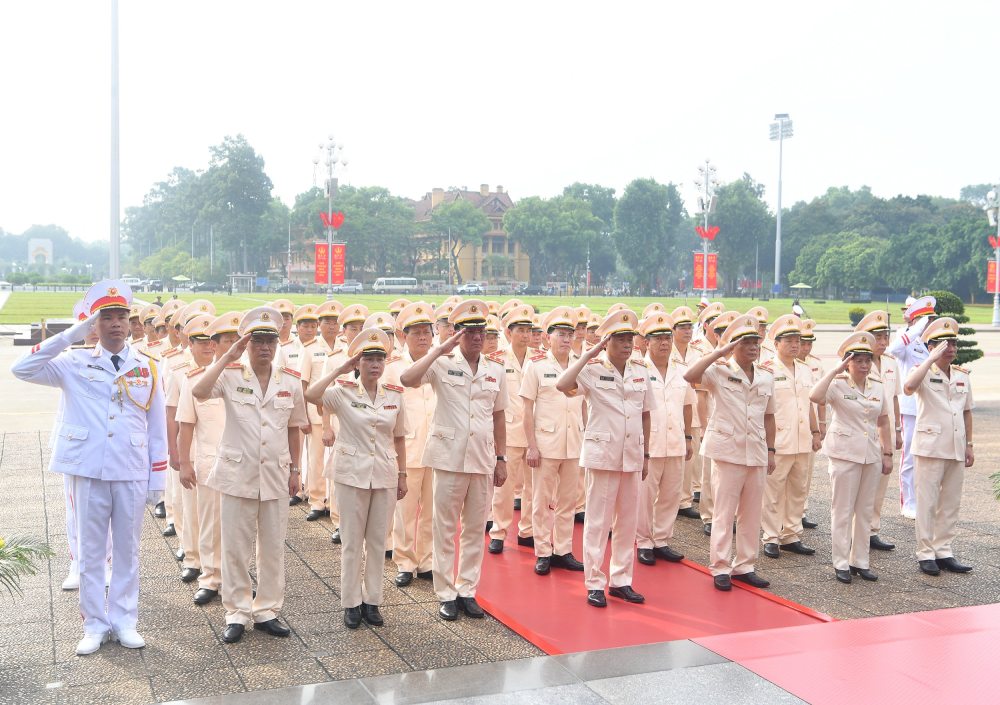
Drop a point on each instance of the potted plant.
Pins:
(18, 557)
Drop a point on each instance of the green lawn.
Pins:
(25, 307)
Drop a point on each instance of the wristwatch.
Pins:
(294, 469)
(502, 457)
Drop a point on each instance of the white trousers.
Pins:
(412, 537)
(459, 497)
(737, 490)
(242, 520)
(659, 500)
(553, 503)
(101, 504)
(518, 476)
(853, 486)
(364, 521)
(907, 490)
(73, 524)
(612, 503)
(939, 498)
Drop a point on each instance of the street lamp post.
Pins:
(781, 130)
(993, 213)
(707, 183)
(334, 154)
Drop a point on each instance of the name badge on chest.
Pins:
(245, 390)
(605, 378)
(456, 373)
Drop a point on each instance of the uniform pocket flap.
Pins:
(233, 454)
(443, 432)
(598, 436)
(605, 384)
(73, 433)
(138, 439)
(723, 428)
(245, 398)
(547, 427)
(346, 449)
(929, 428)
(454, 380)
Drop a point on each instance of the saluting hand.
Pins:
(349, 364)
(239, 347)
(452, 342)
(727, 349)
(842, 367)
(596, 350)
(938, 352)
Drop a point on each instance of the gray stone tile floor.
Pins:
(185, 658)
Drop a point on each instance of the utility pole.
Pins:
(781, 130)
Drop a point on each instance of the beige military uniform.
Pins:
(366, 475)
(852, 444)
(289, 353)
(661, 490)
(181, 504)
(613, 457)
(558, 424)
(888, 372)
(252, 472)
(461, 449)
(706, 504)
(816, 367)
(312, 358)
(412, 538)
(691, 480)
(784, 489)
(518, 472)
(736, 443)
(939, 445)
(209, 419)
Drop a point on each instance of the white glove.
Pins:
(154, 497)
(81, 329)
(918, 327)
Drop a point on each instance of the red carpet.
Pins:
(552, 613)
(944, 656)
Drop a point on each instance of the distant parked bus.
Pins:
(395, 285)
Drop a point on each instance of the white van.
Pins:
(395, 285)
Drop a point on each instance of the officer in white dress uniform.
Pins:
(112, 440)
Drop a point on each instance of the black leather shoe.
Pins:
(403, 578)
(645, 556)
(233, 633)
(388, 555)
(865, 574)
(370, 614)
(496, 546)
(799, 548)
(879, 545)
(204, 596)
(696, 497)
(596, 598)
(542, 565)
(771, 550)
(335, 536)
(707, 529)
(471, 607)
(517, 504)
(808, 523)
(528, 541)
(189, 575)
(179, 555)
(352, 617)
(449, 610)
(843, 576)
(567, 561)
(689, 513)
(752, 579)
(426, 575)
(296, 500)
(723, 582)
(170, 530)
(625, 592)
(579, 517)
(952, 566)
(160, 510)
(668, 554)
(314, 514)
(489, 525)
(272, 627)
(930, 567)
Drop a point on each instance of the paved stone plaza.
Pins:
(185, 658)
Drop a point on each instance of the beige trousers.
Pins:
(242, 520)
(553, 503)
(784, 499)
(612, 503)
(189, 530)
(173, 503)
(691, 481)
(737, 490)
(659, 500)
(412, 539)
(706, 507)
(331, 492)
(209, 538)
(315, 453)
(518, 474)
(364, 516)
(581, 491)
(809, 481)
(459, 497)
(883, 486)
(939, 497)
(853, 486)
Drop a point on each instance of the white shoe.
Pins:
(72, 581)
(908, 513)
(130, 639)
(91, 643)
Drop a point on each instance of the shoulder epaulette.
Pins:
(84, 347)
(195, 371)
(842, 375)
(594, 361)
(171, 352)
(696, 344)
(638, 361)
(181, 366)
(497, 356)
(293, 373)
(764, 368)
(539, 356)
(767, 365)
(721, 361)
(347, 382)
(394, 358)
(394, 388)
(147, 353)
(306, 345)
(810, 356)
(960, 369)
(334, 352)
(287, 342)
(154, 344)
(234, 366)
(891, 357)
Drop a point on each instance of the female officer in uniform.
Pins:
(369, 467)
(861, 408)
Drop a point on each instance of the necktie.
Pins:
(116, 361)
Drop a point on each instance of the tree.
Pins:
(557, 234)
(746, 229)
(603, 256)
(646, 221)
(850, 263)
(975, 193)
(466, 223)
(378, 229)
(950, 305)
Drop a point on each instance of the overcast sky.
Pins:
(534, 95)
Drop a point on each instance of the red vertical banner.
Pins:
(991, 277)
(713, 262)
(698, 279)
(321, 263)
(339, 262)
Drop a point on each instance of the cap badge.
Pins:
(265, 316)
(947, 325)
(473, 308)
(236, 321)
(112, 291)
(624, 316)
(660, 319)
(373, 337)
